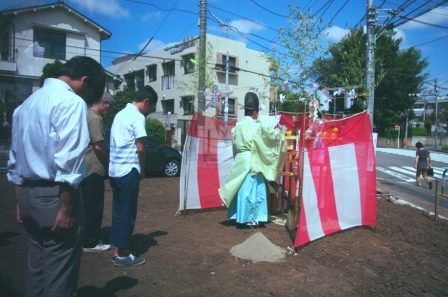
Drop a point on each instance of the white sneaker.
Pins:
(100, 247)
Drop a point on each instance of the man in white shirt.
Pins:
(49, 139)
(126, 169)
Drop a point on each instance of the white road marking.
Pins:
(402, 172)
(399, 169)
(408, 171)
(395, 174)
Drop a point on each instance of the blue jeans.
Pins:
(124, 207)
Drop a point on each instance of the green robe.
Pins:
(256, 149)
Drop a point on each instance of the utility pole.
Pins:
(370, 64)
(406, 131)
(424, 112)
(202, 59)
(436, 124)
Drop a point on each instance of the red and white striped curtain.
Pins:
(339, 174)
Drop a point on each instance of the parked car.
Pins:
(160, 158)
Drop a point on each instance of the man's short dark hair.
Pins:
(146, 92)
(153, 98)
(419, 145)
(140, 95)
(80, 66)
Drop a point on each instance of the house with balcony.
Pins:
(31, 37)
(170, 69)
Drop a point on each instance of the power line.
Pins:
(319, 19)
(417, 21)
(264, 8)
(329, 22)
(431, 41)
(242, 17)
(169, 10)
(124, 64)
(422, 12)
(328, 3)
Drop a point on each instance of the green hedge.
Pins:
(419, 131)
(391, 133)
(155, 129)
(413, 131)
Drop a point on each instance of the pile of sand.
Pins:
(258, 248)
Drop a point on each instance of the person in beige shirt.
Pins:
(92, 186)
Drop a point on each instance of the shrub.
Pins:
(391, 133)
(155, 129)
(419, 131)
(49, 71)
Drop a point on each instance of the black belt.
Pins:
(39, 183)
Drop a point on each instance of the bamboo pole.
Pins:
(298, 202)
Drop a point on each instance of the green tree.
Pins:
(345, 67)
(301, 42)
(291, 102)
(155, 129)
(49, 71)
(443, 115)
(397, 74)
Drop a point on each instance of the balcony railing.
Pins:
(8, 66)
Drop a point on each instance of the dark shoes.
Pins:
(430, 185)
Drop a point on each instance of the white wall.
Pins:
(81, 37)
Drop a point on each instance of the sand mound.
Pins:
(258, 248)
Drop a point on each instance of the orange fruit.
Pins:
(335, 130)
(288, 133)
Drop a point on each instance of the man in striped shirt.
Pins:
(126, 169)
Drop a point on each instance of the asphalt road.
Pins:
(396, 176)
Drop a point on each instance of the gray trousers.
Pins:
(53, 260)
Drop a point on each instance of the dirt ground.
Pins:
(189, 256)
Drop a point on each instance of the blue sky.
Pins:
(134, 22)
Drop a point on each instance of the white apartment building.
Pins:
(166, 68)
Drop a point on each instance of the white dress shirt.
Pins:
(49, 136)
(128, 125)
